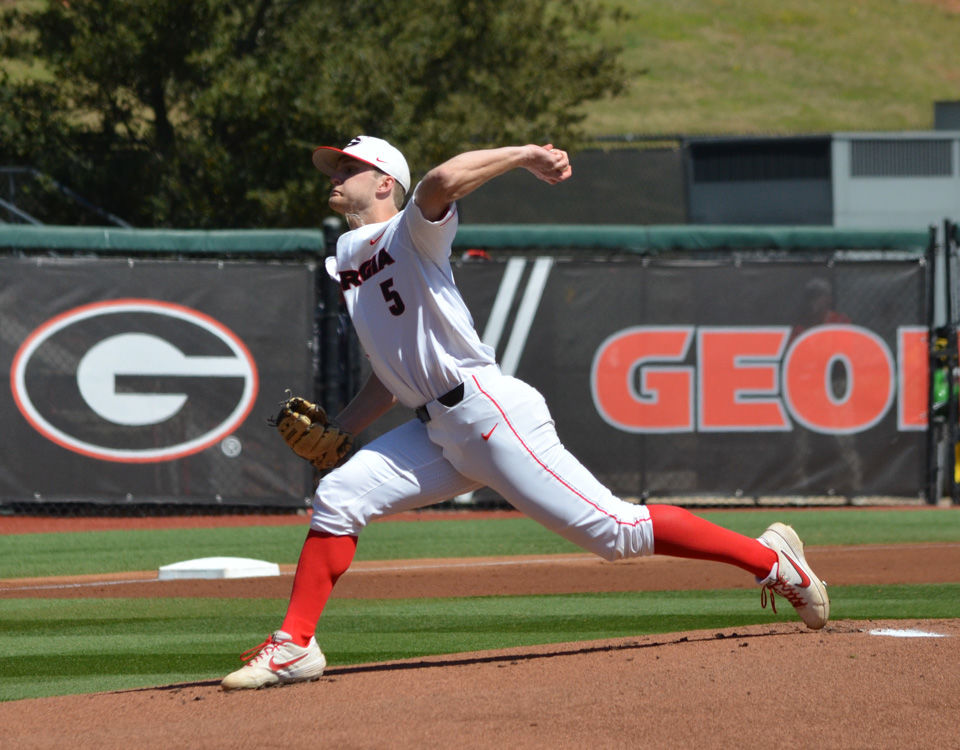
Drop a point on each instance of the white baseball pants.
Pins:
(500, 435)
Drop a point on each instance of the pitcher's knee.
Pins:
(335, 518)
(609, 553)
(620, 540)
(634, 537)
(632, 543)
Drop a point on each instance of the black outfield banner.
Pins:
(144, 381)
(720, 378)
(136, 381)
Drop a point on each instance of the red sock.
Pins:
(679, 533)
(323, 559)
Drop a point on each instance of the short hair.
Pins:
(399, 195)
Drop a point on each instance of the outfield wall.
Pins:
(678, 361)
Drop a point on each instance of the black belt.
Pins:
(449, 399)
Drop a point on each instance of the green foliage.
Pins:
(203, 114)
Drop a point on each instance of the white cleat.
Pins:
(277, 661)
(793, 578)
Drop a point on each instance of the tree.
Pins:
(203, 114)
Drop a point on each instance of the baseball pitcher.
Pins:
(474, 426)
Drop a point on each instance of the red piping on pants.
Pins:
(548, 469)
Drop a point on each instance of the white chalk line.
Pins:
(85, 584)
(351, 572)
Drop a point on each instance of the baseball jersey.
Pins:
(411, 320)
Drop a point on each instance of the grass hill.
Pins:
(790, 66)
(770, 66)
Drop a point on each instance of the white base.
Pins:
(218, 567)
(911, 633)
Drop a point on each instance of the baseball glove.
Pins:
(305, 428)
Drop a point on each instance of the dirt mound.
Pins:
(745, 687)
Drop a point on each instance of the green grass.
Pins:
(794, 66)
(79, 646)
(24, 555)
(63, 646)
(115, 551)
(755, 66)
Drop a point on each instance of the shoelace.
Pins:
(264, 648)
(763, 599)
(785, 589)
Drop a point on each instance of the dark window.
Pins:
(755, 161)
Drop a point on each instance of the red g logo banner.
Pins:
(832, 379)
(134, 380)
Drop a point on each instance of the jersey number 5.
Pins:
(396, 306)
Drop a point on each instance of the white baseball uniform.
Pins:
(476, 426)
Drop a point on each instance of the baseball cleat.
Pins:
(793, 578)
(277, 661)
